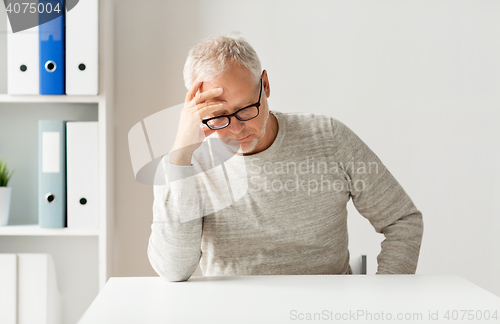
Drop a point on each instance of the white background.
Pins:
(418, 81)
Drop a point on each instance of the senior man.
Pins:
(298, 170)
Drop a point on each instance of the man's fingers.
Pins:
(205, 104)
(206, 108)
(206, 95)
(215, 105)
(192, 92)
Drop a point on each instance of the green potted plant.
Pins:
(5, 192)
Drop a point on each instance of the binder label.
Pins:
(50, 152)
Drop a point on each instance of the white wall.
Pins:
(416, 80)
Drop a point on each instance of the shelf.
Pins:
(48, 98)
(35, 230)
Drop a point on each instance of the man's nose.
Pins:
(236, 125)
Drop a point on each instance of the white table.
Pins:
(292, 299)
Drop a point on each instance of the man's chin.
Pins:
(240, 148)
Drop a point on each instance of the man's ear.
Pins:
(265, 84)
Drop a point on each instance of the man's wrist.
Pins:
(179, 157)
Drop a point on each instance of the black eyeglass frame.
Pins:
(257, 105)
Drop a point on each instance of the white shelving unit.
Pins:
(82, 257)
(49, 98)
(35, 230)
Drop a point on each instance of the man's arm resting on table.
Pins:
(174, 248)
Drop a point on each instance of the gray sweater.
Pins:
(281, 211)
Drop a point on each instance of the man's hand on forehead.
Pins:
(207, 87)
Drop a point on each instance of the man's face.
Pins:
(239, 91)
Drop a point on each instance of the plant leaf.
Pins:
(5, 174)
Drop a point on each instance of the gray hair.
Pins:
(212, 57)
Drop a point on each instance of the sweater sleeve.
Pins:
(380, 198)
(174, 248)
(182, 196)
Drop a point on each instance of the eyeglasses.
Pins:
(243, 114)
